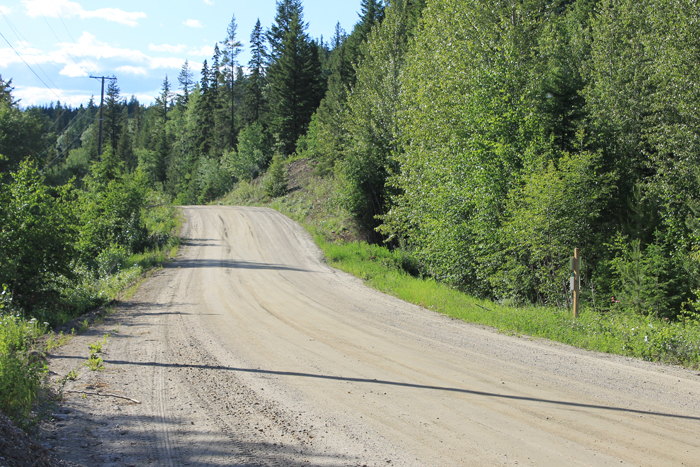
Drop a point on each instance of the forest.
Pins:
(485, 139)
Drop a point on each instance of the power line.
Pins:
(102, 101)
(59, 40)
(66, 27)
(30, 68)
(20, 37)
(18, 34)
(35, 74)
(68, 146)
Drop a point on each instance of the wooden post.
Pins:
(577, 280)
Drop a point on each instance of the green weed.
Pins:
(94, 363)
(84, 326)
(21, 373)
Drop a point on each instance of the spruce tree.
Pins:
(254, 101)
(295, 87)
(125, 152)
(232, 48)
(164, 101)
(112, 115)
(185, 78)
(205, 113)
(286, 9)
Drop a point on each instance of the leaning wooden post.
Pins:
(577, 280)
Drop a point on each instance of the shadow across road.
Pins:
(410, 385)
(230, 264)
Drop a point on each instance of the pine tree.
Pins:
(231, 51)
(295, 87)
(185, 78)
(112, 115)
(286, 9)
(164, 101)
(205, 113)
(254, 103)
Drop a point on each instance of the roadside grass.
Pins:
(23, 341)
(22, 370)
(314, 203)
(644, 337)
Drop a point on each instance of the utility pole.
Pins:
(102, 108)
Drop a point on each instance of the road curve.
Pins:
(250, 350)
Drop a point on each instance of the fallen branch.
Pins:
(103, 395)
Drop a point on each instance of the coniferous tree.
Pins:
(125, 151)
(254, 102)
(205, 113)
(295, 87)
(186, 80)
(231, 51)
(112, 115)
(164, 101)
(286, 9)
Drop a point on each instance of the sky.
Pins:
(139, 42)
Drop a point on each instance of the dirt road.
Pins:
(249, 350)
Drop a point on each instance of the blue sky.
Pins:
(65, 41)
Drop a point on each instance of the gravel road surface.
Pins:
(249, 350)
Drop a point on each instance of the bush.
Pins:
(276, 183)
(36, 237)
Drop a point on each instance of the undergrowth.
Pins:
(23, 369)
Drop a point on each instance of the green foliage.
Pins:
(276, 183)
(36, 237)
(110, 209)
(21, 372)
(467, 130)
(371, 120)
(550, 215)
(212, 179)
(22, 135)
(295, 90)
(252, 155)
(649, 280)
(94, 362)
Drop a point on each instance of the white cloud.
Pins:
(208, 2)
(5, 10)
(134, 70)
(89, 55)
(30, 95)
(204, 51)
(65, 8)
(82, 69)
(192, 23)
(167, 48)
(170, 62)
(89, 46)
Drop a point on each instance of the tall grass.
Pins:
(643, 337)
(21, 372)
